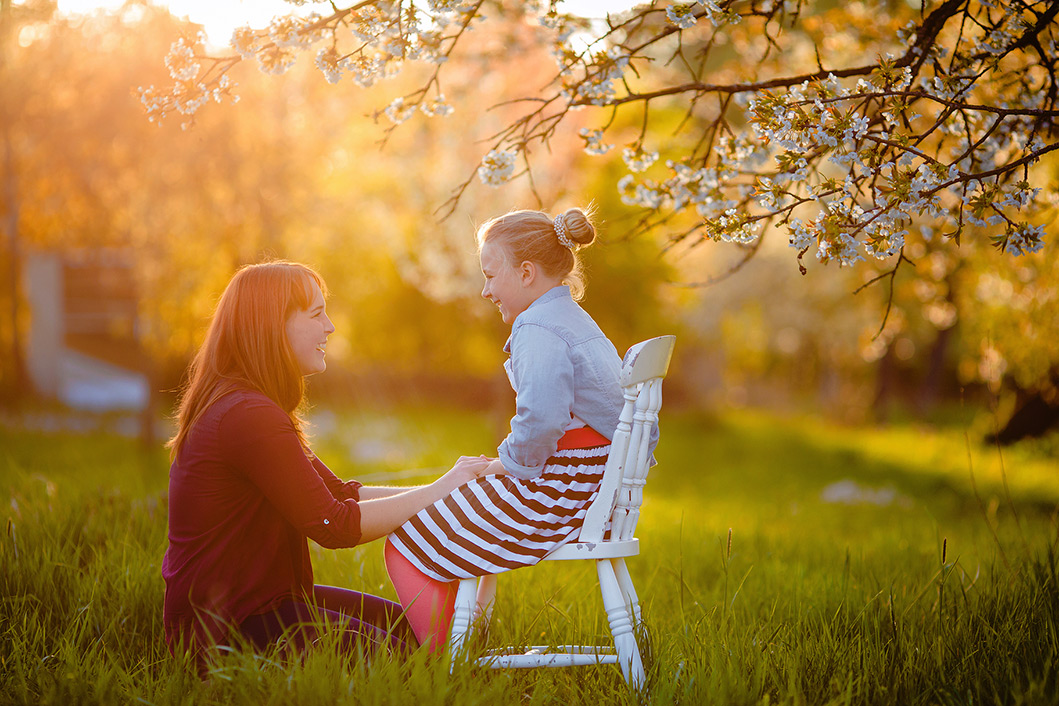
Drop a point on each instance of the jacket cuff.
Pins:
(517, 469)
(353, 489)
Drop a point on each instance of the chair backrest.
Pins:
(621, 492)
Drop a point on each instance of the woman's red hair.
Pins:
(246, 345)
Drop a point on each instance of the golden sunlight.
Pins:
(220, 17)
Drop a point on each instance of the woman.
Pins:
(245, 490)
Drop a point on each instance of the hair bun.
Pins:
(579, 226)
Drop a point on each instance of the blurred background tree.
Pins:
(722, 143)
(295, 171)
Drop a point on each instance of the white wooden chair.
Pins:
(618, 502)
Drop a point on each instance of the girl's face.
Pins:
(505, 283)
(307, 332)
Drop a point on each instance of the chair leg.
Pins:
(628, 590)
(620, 625)
(462, 618)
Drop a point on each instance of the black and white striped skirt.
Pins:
(498, 523)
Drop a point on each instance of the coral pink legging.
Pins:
(428, 604)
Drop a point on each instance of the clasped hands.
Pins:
(473, 467)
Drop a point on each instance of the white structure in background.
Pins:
(77, 379)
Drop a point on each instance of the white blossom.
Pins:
(842, 249)
(244, 40)
(594, 144)
(428, 48)
(275, 60)
(597, 86)
(294, 32)
(799, 235)
(713, 11)
(181, 61)
(497, 167)
(681, 14)
(732, 227)
(638, 159)
(398, 112)
(437, 106)
(444, 7)
(635, 194)
(327, 60)
(1024, 240)
(366, 70)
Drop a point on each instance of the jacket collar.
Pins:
(558, 292)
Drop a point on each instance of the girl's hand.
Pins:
(469, 468)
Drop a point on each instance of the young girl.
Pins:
(568, 398)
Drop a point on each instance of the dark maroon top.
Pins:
(243, 497)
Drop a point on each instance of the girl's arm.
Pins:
(543, 377)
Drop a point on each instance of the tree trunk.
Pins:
(1036, 414)
(932, 382)
(885, 380)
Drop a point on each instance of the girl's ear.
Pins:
(527, 273)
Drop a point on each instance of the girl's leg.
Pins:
(428, 604)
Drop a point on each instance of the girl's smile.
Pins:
(503, 284)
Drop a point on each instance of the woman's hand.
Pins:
(384, 513)
(496, 468)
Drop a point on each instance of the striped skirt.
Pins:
(498, 523)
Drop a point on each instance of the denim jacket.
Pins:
(565, 373)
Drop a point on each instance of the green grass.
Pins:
(755, 589)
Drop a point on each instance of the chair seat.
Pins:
(608, 549)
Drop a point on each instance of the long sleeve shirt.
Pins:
(565, 373)
(243, 498)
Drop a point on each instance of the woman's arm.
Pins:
(260, 443)
(263, 446)
(375, 492)
(382, 514)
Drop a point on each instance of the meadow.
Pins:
(786, 560)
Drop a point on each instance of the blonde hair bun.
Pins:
(579, 226)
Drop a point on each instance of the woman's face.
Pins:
(307, 332)
(504, 284)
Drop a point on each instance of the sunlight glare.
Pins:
(598, 8)
(220, 17)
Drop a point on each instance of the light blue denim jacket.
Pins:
(561, 367)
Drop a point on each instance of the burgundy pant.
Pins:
(367, 621)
